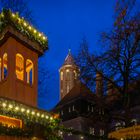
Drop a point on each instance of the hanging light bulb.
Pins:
(22, 109)
(44, 38)
(13, 15)
(10, 106)
(4, 104)
(17, 108)
(30, 27)
(35, 31)
(25, 24)
(39, 34)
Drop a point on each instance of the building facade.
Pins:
(93, 113)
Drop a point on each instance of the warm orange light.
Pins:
(10, 122)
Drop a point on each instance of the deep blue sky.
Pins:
(66, 22)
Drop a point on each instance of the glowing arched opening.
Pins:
(29, 71)
(5, 66)
(19, 66)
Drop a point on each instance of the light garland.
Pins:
(32, 113)
(7, 17)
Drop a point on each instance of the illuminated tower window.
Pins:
(61, 74)
(68, 88)
(5, 67)
(75, 74)
(29, 72)
(68, 74)
(19, 66)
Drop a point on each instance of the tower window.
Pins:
(68, 88)
(68, 74)
(19, 66)
(29, 72)
(5, 66)
(61, 75)
(75, 74)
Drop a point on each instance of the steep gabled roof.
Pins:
(78, 91)
(69, 60)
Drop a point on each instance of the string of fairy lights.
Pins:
(7, 17)
(12, 107)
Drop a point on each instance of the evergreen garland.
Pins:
(9, 18)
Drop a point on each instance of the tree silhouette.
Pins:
(119, 63)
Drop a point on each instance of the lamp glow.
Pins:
(4, 104)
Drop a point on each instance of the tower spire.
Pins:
(68, 75)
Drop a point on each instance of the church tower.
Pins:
(69, 73)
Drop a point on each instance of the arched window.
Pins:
(61, 75)
(75, 74)
(29, 71)
(0, 69)
(68, 88)
(19, 66)
(118, 125)
(68, 74)
(134, 121)
(5, 66)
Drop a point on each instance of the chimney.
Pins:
(99, 84)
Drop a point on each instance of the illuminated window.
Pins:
(92, 131)
(29, 72)
(69, 109)
(101, 132)
(19, 66)
(5, 66)
(68, 88)
(134, 121)
(118, 125)
(61, 75)
(73, 108)
(75, 74)
(0, 69)
(68, 74)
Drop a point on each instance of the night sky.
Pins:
(65, 23)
